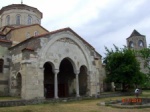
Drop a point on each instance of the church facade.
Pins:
(36, 63)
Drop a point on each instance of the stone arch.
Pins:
(72, 62)
(140, 43)
(83, 80)
(70, 36)
(52, 65)
(131, 44)
(48, 79)
(19, 84)
(66, 78)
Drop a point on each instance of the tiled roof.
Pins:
(135, 33)
(4, 40)
(65, 29)
(29, 49)
(26, 27)
(7, 27)
(53, 32)
(1, 33)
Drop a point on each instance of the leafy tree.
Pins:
(122, 66)
(145, 54)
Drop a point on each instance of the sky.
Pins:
(100, 22)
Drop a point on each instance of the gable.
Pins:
(20, 34)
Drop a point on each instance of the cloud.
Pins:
(99, 22)
(116, 23)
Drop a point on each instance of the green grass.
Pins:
(89, 105)
(145, 93)
(9, 98)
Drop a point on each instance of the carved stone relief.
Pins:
(67, 40)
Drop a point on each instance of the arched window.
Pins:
(8, 20)
(1, 65)
(29, 20)
(140, 43)
(131, 45)
(36, 33)
(18, 20)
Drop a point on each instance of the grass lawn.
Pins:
(9, 98)
(76, 106)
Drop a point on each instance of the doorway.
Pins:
(48, 80)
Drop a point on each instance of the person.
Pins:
(137, 92)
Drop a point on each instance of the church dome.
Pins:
(19, 14)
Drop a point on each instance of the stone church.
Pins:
(37, 63)
(137, 41)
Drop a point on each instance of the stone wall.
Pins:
(4, 76)
(21, 34)
(52, 48)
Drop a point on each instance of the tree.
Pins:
(122, 66)
(145, 54)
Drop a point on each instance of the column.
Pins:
(56, 83)
(88, 83)
(77, 83)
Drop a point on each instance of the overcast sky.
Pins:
(99, 22)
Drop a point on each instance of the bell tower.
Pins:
(136, 41)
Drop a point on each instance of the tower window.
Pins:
(1, 65)
(29, 20)
(8, 20)
(140, 43)
(131, 45)
(18, 20)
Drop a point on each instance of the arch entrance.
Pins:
(66, 79)
(48, 80)
(83, 81)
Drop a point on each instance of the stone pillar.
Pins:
(88, 83)
(41, 82)
(77, 83)
(56, 83)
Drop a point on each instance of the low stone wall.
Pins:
(19, 102)
(129, 103)
(39, 101)
(116, 94)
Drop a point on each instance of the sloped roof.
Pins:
(6, 41)
(3, 28)
(135, 33)
(1, 33)
(21, 27)
(53, 32)
(28, 49)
